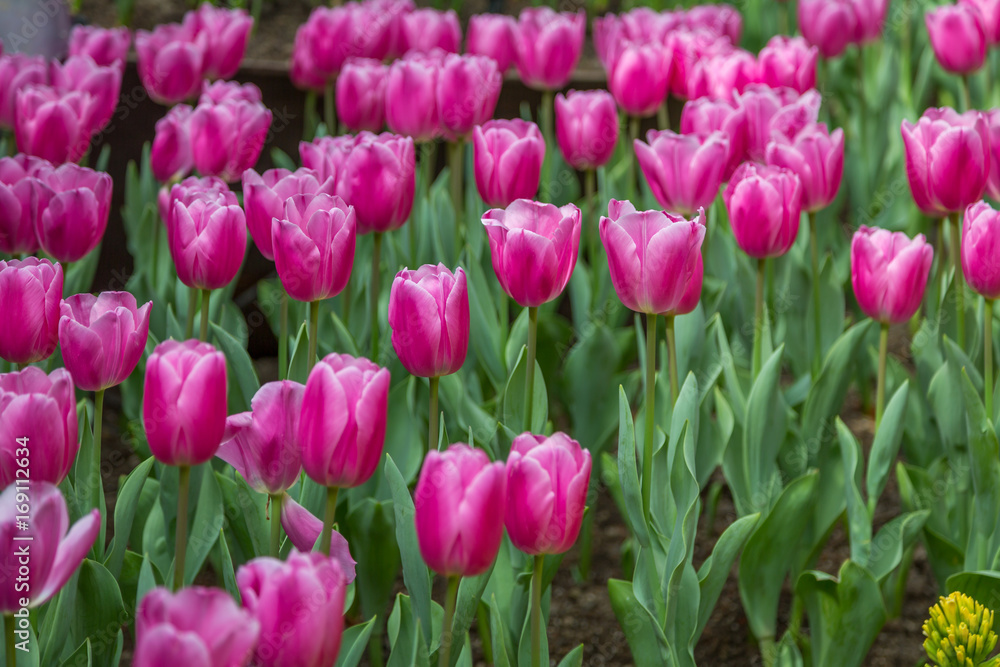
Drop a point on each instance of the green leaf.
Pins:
(886, 444)
(80, 275)
(415, 573)
(208, 522)
(228, 572)
(99, 607)
(82, 656)
(470, 592)
(372, 538)
(498, 636)
(408, 646)
(644, 636)
(858, 520)
(354, 643)
(893, 539)
(827, 394)
(87, 479)
(764, 431)
(55, 628)
(298, 367)
(589, 382)
(125, 505)
(715, 570)
(240, 367)
(513, 398)
(574, 658)
(628, 473)
(484, 332)
(982, 586)
(985, 450)
(147, 580)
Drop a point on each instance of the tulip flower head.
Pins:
(102, 338)
(764, 204)
(207, 238)
(106, 46)
(788, 62)
(980, 245)
(30, 293)
(548, 46)
(889, 273)
(507, 156)
(586, 127)
(360, 95)
(492, 35)
(227, 138)
(170, 155)
(704, 116)
(829, 25)
(958, 37)
(428, 28)
(378, 179)
(817, 158)
(684, 171)
(76, 217)
(17, 71)
(264, 197)
(23, 197)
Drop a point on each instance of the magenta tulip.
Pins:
(534, 247)
(458, 527)
(429, 317)
(788, 62)
(304, 529)
(829, 25)
(411, 98)
(989, 11)
(299, 604)
(23, 198)
(334, 34)
(889, 273)
(342, 427)
(958, 37)
(170, 156)
(770, 111)
(654, 257)
(226, 139)
(18, 71)
(52, 125)
(102, 338)
(55, 549)
(684, 171)
(721, 75)
(326, 155)
(197, 627)
(638, 76)
(207, 239)
(74, 221)
(41, 409)
(705, 116)
(507, 157)
(106, 46)
(547, 480)
(361, 94)
(30, 293)
(184, 402)
(304, 71)
(103, 84)
(222, 34)
(991, 118)
(313, 244)
(586, 127)
(548, 46)
(427, 28)
(170, 65)
(218, 92)
(870, 19)
(192, 188)
(262, 444)
(947, 160)
(492, 35)
(468, 88)
(764, 204)
(264, 197)
(816, 156)
(980, 243)
(721, 19)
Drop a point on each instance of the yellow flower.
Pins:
(960, 633)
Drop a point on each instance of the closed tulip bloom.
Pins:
(638, 77)
(492, 35)
(411, 98)
(427, 28)
(226, 139)
(788, 61)
(207, 240)
(507, 157)
(586, 127)
(299, 604)
(981, 249)
(102, 338)
(222, 35)
(262, 444)
(722, 75)
(304, 71)
(704, 116)
(691, 54)
(889, 273)
(458, 528)
(191, 188)
(947, 160)
(30, 292)
(102, 83)
(106, 46)
(816, 156)
(42, 409)
(264, 197)
(170, 65)
(829, 25)
(313, 243)
(74, 221)
(653, 257)
(184, 402)
(23, 198)
(342, 427)
(468, 88)
(684, 171)
(218, 92)
(871, 18)
(764, 204)
(195, 626)
(429, 317)
(170, 155)
(548, 46)
(991, 118)
(303, 530)
(52, 125)
(361, 94)
(17, 71)
(723, 20)
(547, 478)
(327, 155)
(957, 37)
(989, 11)
(770, 111)
(56, 548)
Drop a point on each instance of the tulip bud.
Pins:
(226, 138)
(428, 28)
(586, 127)
(264, 197)
(492, 35)
(184, 402)
(30, 292)
(378, 180)
(207, 239)
(548, 46)
(106, 46)
(429, 317)
(788, 62)
(170, 65)
(889, 273)
(829, 25)
(764, 204)
(361, 94)
(192, 188)
(684, 171)
(410, 98)
(102, 338)
(507, 156)
(74, 221)
(817, 158)
(468, 88)
(980, 239)
(638, 76)
(170, 156)
(957, 37)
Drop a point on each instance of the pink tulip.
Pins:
(548, 46)
(192, 188)
(411, 98)
(721, 19)
(262, 444)
(770, 111)
(817, 157)
(947, 160)
(102, 338)
(54, 126)
(492, 35)
(507, 156)
(992, 120)
(304, 71)
(103, 84)
(871, 18)
(334, 34)
(468, 88)
(207, 239)
(74, 221)
(184, 402)
(23, 198)
(41, 409)
(705, 116)
(18, 71)
(299, 604)
(692, 295)
(958, 37)
(170, 156)
(721, 75)
(788, 62)
(586, 127)
(980, 241)
(106, 46)
(264, 197)
(170, 64)
(534, 248)
(684, 171)
(303, 530)
(55, 549)
(313, 244)
(889, 273)
(638, 76)
(342, 427)
(361, 94)
(30, 292)
(764, 204)
(427, 28)
(387, 20)
(222, 35)
(691, 54)
(829, 25)
(326, 155)
(218, 92)
(378, 179)
(654, 257)
(547, 480)
(989, 11)
(429, 317)
(226, 139)
(458, 528)
(195, 626)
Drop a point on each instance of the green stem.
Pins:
(8, 623)
(988, 356)
(966, 98)
(647, 443)
(203, 334)
(276, 499)
(536, 612)
(328, 517)
(663, 116)
(373, 297)
(456, 153)
(329, 110)
(956, 256)
(313, 333)
(98, 421)
(633, 134)
(192, 311)
(545, 115)
(449, 614)
(283, 337)
(346, 296)
(432, 423)
(672, 360)
(768, 651)
(817, 361)
(529, 368)
(758, 319)
(883, 353)
(180, 544)
(590, 232)
(154, 264)
(483, 624)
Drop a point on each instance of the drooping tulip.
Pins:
(360, 95)
(428, 28)
(184, 402)
(41, 409)
(30, 292)
(222, 34)
(548, 45)
(170, 64)
(788, 61)
(102, 337)
(958, 37)
(23, 198)
(507, 157)
(492, 35)
(52, 125)
(468, 88)
(684, 171)
(586, 127)
(817, 158)
(304, 529)
(74, 221)
(764, 204)
(429, 317)
(534, 247)
(704, 116)
(17, 71)
(829, 25)
(226, 138)
(889, 273)
(980, 242)
(264, 197)
(458, 527)
(547, 478)
(989, 11)
(378, 180)
(207, 239)
(106, 46)
(411, 98)
(638, 76)
(170, 155)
